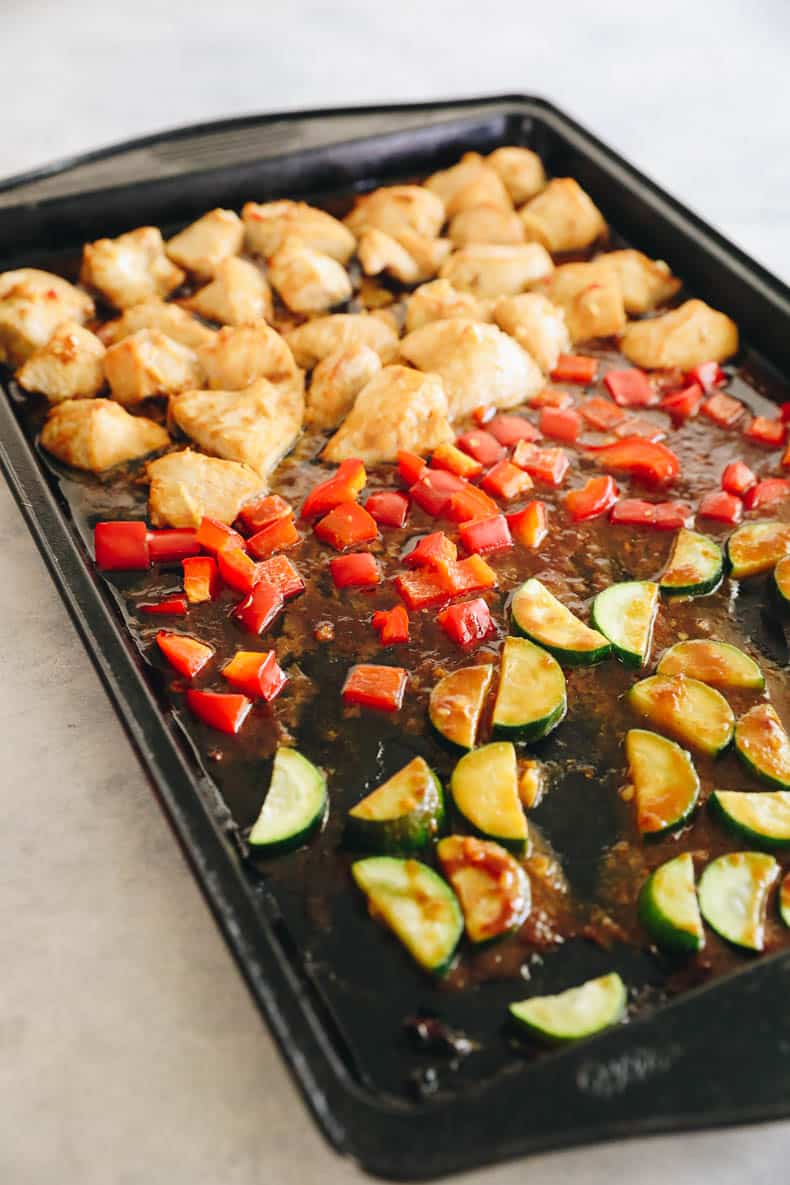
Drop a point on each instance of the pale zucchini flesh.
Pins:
(757, 547)
(782, 581)
(294, 806)
(719, 664)
(540, 616)
(733, 891)
(666, 785)
(697, 715)
(763, 746)
(668, 907)
(763, 818)
(492, 887)
(403, 814)
(695, 567)
(784, 899)
(574, 1014)
(484, 789)
(456, 703)
(531, 698)
(624, 613)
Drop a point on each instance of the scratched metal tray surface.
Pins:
(690, 1063)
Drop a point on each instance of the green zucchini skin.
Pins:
(610, 614)
(719, 664)
(761, 727)
(484, 790)
(575, 1014)
(408, 831)
(736, 811)
(526, 667)
(295, 805)
(696, 714)
(695, 568)
(526, 624)
(659, 768)
(757, 547)
(456, 704)
(783, 899)
(677, 931)
(733, 891)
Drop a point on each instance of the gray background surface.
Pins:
(129, 1050)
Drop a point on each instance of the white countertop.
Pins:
(130, 1052)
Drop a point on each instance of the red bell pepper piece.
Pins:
(261, 513)
(257, 611)
(636, 426)
(256, 673)
(723, 409)
(468, 622)
(630, 388)
(435, 551)
(601, 413)
(482, 535)
(645, 459)
(422, 590)
(561, 424)
(201, 578)
(684, 404)
(121, 546)
(786, 458)
(670, 516)
(214, 536)
(505, 480)
(551, 397)
(348, 525)
(410, 467)
(237, 569)
(433, 490)
(168, 546)
(343, 486)
(721, 506)
(784, 411)
(509, 430)
(708, 375)
(224, 712)
(766, 431)
(547, 465)
(472, 575)
(280, 572)
(169, 607)
(447, 456)
(187, 655)
(388, 507)
(392, 625)
(375, 687)
(575, 368)
(276, 536)
(593, 499)
(357, 569)
(469, 502)
(529, 526)
(737, 478)
(633, 512)
(481, 445)
(771, 489)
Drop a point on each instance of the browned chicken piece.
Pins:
(521, 171)
(496, 269)
(477, 364)
(485, 189)
(238, 293)
(205, 244)
(131, 268)
(410, 258)
(33, 303)
(685, 337)
(645, 282)
(240, 355)
(185, 486)
(171, 319)
(394, 208)
(69, 366)
(563, 217)
(536, 324)
(269, 225)
(308, 281)
(150, 363)
(256, 426)
(399, 408)
(590, 295)
(95, 434)
(336, 382)
(447, 184)
(315, 339)
(439, 301)
(486, 224)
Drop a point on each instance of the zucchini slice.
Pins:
(531, 698)
(418, 906)
(491, 885)
(698, 715)
(577, 1013)
(664, 779)
(484, 787)
(763, 746)
(716, 663)
(402, 815)
(695, 567)
(294, 806)
(624, 613)
(733, 891)
(539, 616)
(757, 547)
(668, 907)
(784, 899)
(764, 818)
(782, 581)
(456, 704)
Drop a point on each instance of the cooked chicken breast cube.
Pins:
(131, 268)
(33, 303)
(307, 280)
(536, 324)
(69, 366)
(495, 269)
(591, 297)
(394, 208)
(399, 408)
(336, 382)
(477, 364)
(150, 363)
(486, 224)
(486, 189)
(446, 183)
(563, 217)
(203, 246)
(157, 314)
(379, 252)
(645, 282)
(315, 339)
(439, 301)
(269, 225)
(428, 253)
(685, 337)
(256, 426)
(185, 486)
(238, 293)
(520, 170)
(240, 355)
(95, 434)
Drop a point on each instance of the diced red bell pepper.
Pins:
(280, 572)
(575, 368)
(201, 578)
(186, 655)
(597, 496)
(256, 673)
(342, 487)
(433, 490)
(388, 507)
(561, 424)
(482, 535)
(257, 611)
(723, 409)
(707, 374)
(447, 456)
(633, 512)
(357, 569)
(786, 458)
(737, 478)
(121, 546)
(468, 622)
(684, 404)
(423, 589)
(224, 712)
(237, 569)
(170, 546)
(721, 506)
(630, 388)
(601, 413)
(169, 607)
(766, 431)
(509, 430)
(529, 526)
(375, 687)
(435, 551)
(640, 426)
(784, 411)
(547, 465)
(481, 445)
(348, 525)
(646, 460)
(214, 536)
(392, 625)
(505, 480)
(261, 513)
(551, 397)
(472, 575)
(276, 536)
(670, 516)
(771, 489)
(483, 413)
(469, 502)
(410, 467)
